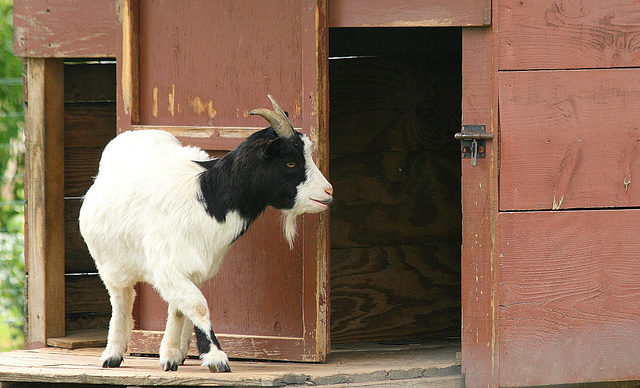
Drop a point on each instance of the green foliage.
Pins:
(11, 187)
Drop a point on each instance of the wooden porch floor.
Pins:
(408, 365)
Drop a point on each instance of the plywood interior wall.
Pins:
(395, 98)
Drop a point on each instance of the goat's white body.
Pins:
(142, 221)
(142, 218)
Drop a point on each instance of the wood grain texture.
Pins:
(360, 366)
(568, 297)
(395, 198)
(44, 123)
(395, 292)
(479, 209)
(87, 303)
(567, 34)
(569, 139)
(80, 339)
(409, 13)
(76, 28)
(395, 168)
(396, 103)
(77, 258)
(203, 81)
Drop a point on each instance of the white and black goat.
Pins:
(166, 214)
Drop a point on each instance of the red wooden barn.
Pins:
(526, 244)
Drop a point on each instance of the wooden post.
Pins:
(44, 124)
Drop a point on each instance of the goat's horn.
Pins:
(277, 118)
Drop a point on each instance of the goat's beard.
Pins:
(290, 226)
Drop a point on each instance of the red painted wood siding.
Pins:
(568, 297)
(570, 139)
(567, 34)
(73, 28)
(568, 280)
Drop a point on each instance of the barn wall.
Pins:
(395, 167)
(567, 262)
(90, 122)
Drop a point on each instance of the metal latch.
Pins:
(473, 142)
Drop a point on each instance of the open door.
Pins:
(196, 68)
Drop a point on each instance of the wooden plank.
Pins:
(90, 82)
(551, 34)
(569, 139)
(211, 138)
(89, 124)
(128, 66)
(479, 209)
(413, 289)
(175, 98)
(44, 124)
(568, 297)
(77, 257)
(80, 339)
(380, 365)
(409, 13)
(86, 293)
(77, 28)
(236, 346)
(394, 198)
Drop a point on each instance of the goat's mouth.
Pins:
(323, 203)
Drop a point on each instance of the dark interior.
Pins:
(395, 104)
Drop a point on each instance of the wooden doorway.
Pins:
(396, 224)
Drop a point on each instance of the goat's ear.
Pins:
(272, 148)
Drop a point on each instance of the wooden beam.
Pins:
(409, 13)
(73, 28)
(479, 211)
(44, 124)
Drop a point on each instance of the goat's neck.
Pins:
(226, 186)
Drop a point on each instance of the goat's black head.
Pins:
(299, 186)
(273, 167)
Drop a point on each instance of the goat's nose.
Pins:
(329, 190)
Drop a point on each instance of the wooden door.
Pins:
(196, 68)
(551, 276)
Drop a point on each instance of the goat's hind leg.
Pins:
(120, 325)
(172, 352)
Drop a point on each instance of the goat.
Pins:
(165, 214)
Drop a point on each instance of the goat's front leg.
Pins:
(172, 352)
(181, 293)
(210, 350)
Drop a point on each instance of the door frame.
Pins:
(480, 362)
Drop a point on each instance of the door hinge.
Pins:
(473, 139)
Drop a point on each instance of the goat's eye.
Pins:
(291, 164)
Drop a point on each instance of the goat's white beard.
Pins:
(289, 226)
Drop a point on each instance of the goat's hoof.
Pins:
(112, 362)
(170, 365)
(220, 367)
(216, 360)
